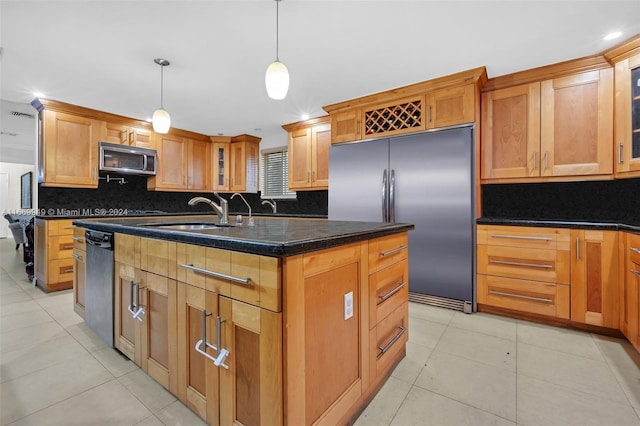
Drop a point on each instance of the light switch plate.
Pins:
(348, 305)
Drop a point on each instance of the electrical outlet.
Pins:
(348, 305)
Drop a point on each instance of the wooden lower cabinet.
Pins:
(630, 300)
(525, 269)
(283, 351)
(53, 259)
(594, 277)
(246, 387)
(79, 256)
(145, 322)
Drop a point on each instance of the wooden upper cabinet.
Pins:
(184, 164)
(128, 135)
(199, 165)
(172, 164)
(346, 126)
(308, 145)
(451, 106)
(220, 148)
(559, 127)
(627, 117)
(510, 131)
(69, 150)
(244, 163)
(441, 102)
(576, 121)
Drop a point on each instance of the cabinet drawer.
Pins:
(633, 244)
(526, 237)
(388, 338)
(60, 270)
(249, 278)
(78, 239)
(60, 247)
(127, 249)
(388, 288)
(59, 227)
(158, 256)
(386, 251)
(526, 263)
(524, 295)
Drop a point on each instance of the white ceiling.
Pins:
(99, 54)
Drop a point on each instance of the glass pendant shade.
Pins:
(277, 80)
(161, 121)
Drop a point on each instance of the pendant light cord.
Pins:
(161, 86)
(277, 30)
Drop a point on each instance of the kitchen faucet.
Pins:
(221, 210)
(248, 206)
(272, 203)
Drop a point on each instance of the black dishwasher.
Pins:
(100, 286)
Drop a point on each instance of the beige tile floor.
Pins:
(460, 370)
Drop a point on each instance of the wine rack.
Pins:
(394, 118)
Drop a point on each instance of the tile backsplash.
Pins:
(605, 201)
(133, 195)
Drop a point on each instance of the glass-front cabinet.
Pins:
(627, 113)
(221, 162)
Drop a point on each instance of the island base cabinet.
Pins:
(159, 353)
(388, 339)
(197, 375)
(145, 322)
(251, 388)
(246, 386)
(127, 333)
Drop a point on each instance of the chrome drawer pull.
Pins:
(76, 256)
(78, 239)
(67, 270)
(637, 273)
(518, 237)
(386, 347)
(635, 250)
(528, 265)
(519, 296)
(246, 281)
(66, 246)
(394, 251)
(391, 293)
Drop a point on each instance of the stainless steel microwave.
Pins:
(127, 159)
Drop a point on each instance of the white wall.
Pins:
(14, 172)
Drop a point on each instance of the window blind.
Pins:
(275, 175)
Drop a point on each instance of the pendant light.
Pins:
(277, 77)
(161, 120)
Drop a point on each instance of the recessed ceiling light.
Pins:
(304, 116)
(38, 94)
(612, 35)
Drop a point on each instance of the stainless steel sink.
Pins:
(184, 226)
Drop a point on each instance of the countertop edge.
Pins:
(614, 226)
(267, 248)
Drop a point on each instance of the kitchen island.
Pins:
(289, 321)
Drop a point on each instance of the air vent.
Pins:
(21, 114)
(8, 134)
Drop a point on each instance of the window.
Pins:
(275, 174)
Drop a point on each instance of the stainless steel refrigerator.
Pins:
(425, 179)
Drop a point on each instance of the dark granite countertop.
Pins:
(277, 237)
(124, 213)
(554, 223)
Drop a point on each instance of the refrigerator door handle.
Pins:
(392, 203)
(385, 217)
